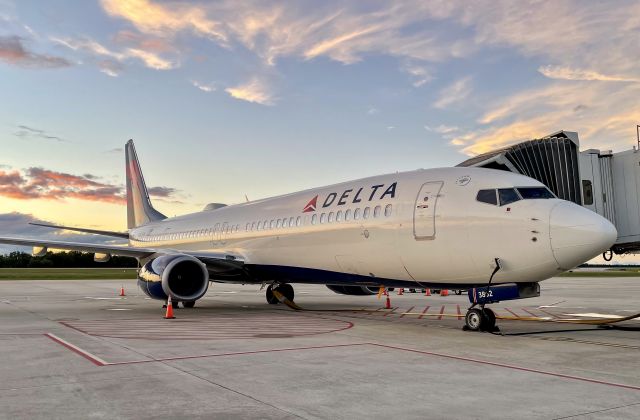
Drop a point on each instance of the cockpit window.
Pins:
(507, 196)
(531, 193)
(487, 196)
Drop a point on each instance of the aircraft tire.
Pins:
(489, 319)
(474, 319)
(271, 299)
(189, 304)
(287, 291)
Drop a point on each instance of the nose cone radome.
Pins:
(578, 234)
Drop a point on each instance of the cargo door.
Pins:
(424, 212)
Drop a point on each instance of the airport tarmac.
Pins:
(74, 349)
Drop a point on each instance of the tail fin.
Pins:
(139, 208)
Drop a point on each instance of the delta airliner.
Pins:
(494, 233)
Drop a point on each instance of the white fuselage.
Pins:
(424, 226)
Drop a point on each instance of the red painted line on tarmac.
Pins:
(530, 313)
(424, 312)
(99, 362)
(513, 367)
(391, 311)
(408, 310)
(441, 312)
(459, 313)
(512, 313)
(240, 353)
(90, 357)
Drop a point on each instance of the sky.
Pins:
(231, 98)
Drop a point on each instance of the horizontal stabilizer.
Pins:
(85, 230)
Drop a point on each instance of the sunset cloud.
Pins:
(253, 91)
(454, 93)
(112, 65)
(43, 184)
(30, 132)
(568, 73)
(13, 51)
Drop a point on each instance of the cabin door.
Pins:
(424, 212)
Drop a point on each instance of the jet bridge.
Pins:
(604, 182)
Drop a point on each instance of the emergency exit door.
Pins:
(424, 212)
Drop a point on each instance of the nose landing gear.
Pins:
(482, 319)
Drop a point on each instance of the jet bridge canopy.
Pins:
(604, 182)
(552, 160)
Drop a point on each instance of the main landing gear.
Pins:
(283, 288)
(480, 319)
(185, 304)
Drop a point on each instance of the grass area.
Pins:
(605, 273)
(67, 273)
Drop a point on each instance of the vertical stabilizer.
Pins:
(139, 208)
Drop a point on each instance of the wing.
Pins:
(222, 266)
(85, 230)
(124, 250)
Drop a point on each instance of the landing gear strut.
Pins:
(285, 289)
(482, 319)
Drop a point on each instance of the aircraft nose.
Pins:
(578, 234)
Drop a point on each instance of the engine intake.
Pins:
(180, 276)
(353, 290)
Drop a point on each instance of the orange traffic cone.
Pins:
(401, 291)
(388, 304)
(122, 291)
(428, 292)
(169, 313)
(444, 292)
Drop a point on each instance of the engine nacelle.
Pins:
(353, 290)
(180, 276)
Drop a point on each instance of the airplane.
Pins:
(494, 233)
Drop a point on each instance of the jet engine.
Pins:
(180, 276)
(353, 290)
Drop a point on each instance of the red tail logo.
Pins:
(311, 205)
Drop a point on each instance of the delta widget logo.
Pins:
(311, 205)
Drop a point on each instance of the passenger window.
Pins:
(298, 221)
(291, 221)
(323, 218)
(314, 219)
(356, 213)
(272, 224)
(347, 215)
(253, 225)
(331, 216)
(365, 214)
(487, 196)
(376, 211)
(278, 223)
(339, 216)
(387, 210)
(507, 196)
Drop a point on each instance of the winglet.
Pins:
(139, 208)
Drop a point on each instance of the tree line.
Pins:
(71, 259)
